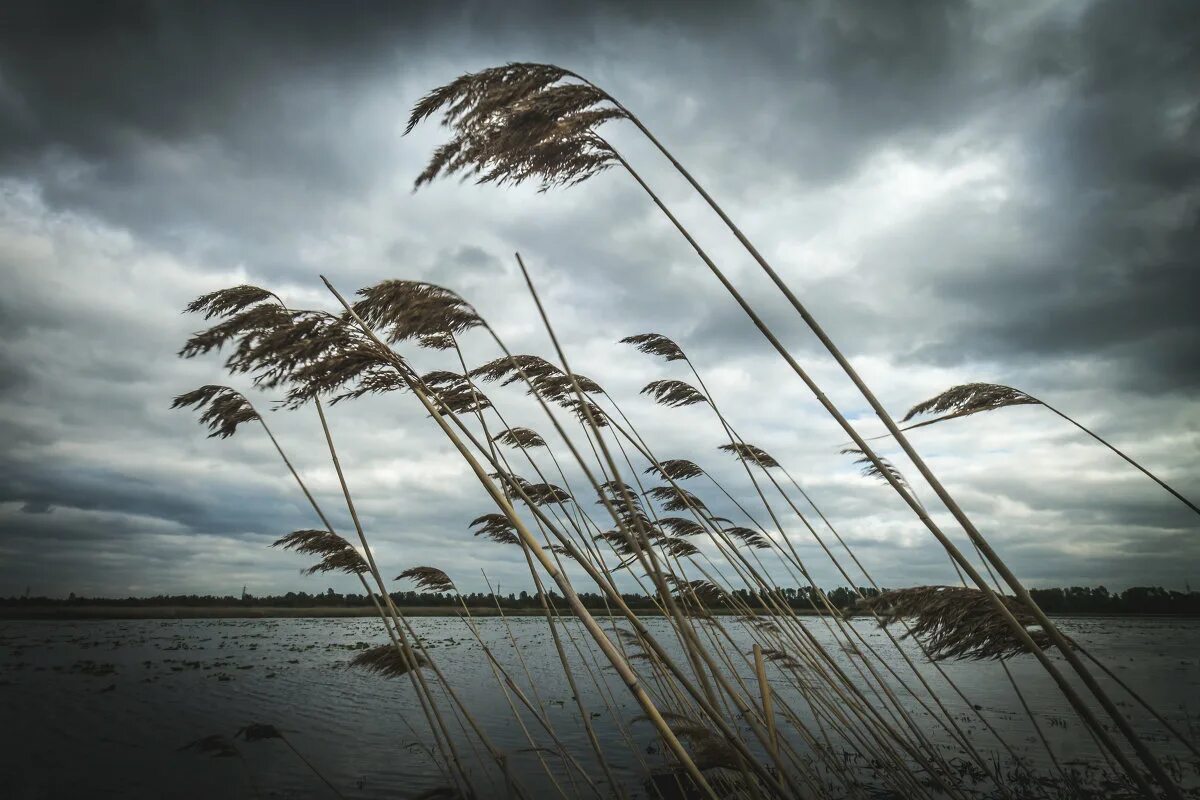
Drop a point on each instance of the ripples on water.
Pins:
(95, 709)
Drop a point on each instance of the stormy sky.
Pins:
(999, 192)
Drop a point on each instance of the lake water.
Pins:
(97, 709)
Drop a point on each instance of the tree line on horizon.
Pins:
(1097, 600)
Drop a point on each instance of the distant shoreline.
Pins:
(67, 613)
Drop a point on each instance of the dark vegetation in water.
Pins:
(1069, 600)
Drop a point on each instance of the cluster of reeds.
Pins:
(588, 499)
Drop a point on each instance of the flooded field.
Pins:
(98, 709)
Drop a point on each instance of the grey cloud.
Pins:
(959, 191)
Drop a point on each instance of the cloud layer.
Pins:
(959, 191)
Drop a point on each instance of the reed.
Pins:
(539, 122)
(600, 506)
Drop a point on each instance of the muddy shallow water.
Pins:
(97, 709)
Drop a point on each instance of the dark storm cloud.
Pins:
(959, 191)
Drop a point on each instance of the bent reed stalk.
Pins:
(711, 702)
(538, 122)
(697, 704)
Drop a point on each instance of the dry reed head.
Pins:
(675, 498)
(870, 470)
(540, 494)
(510, 368)
(337, 554)
(655, 344)
(676, 469)
(311, 352)
(618, 541)
(674, 394)
(386, 660)
(222, 408)
(681, 526)
(677, 547)
(430, 579)
(586, 412)
(496, 527)
(956, 622)
(560, 387)
(225, 302)
(748, 452)
(415, 311)
(519, 437)
(516, 123)
(245, 322)
(453, 393)
(969, 398)
(749, 537)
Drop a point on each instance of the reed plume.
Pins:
(674, 394)
(225, 302)
(954, 622)
(386, 660)
(495, 527)
(748, 452)
(519, 437)
(519, 123)
(877, 468)
(969, 398)
(676, 469)
(337, 554)
(430, 579)
(538, 121)
(223, 409)
(655, 344)
(972, 398)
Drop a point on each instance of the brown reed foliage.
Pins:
(430, 579)
(676, 469)
(955, 622)
(655, 344)
(673, 393)
(681, 526)
(516, 123)
(405, 310)
(386, 660)
(749, 452)
(749, 537)
(495, 527)
(675, 498)
(519, 437)
(337, 554)
(870, 470)
(222, 409)
(225, 302)
(969, 398)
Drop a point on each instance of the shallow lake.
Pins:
(95, 709)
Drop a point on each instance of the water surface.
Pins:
(96, 709)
